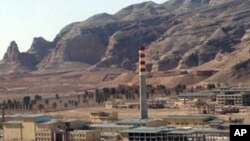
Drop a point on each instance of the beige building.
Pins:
(239, 99)
(112, 103)
(75, 135)
(43, 128)
(24, 129)
(84, 135)
(12, 130)
(44, 135)
(129, 106)
(140, 122)
(187, 120)
(101, 117)
(110, 131)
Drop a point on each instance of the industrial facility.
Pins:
(107, 126)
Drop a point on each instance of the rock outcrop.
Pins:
(15, 61)
(40, 48)
(12, 53)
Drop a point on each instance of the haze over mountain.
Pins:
(178, 35)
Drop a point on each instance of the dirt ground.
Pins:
(83, 113)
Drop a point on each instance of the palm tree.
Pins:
(26, 102)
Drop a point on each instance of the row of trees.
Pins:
(25, 103)
(127, 92)
(99, 95)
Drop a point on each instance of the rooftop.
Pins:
(182, 132)
(198, 94)
(201, 117)
(149, 130)
(111, 125)
(48, 122)
(135, 121)
(100, 113)
(12, 122)
(70, 120)
(34, 115)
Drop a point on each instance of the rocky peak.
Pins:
(40, 47)
(189, 3)
(22, 60)
(12, 52)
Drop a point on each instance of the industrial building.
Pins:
(106, 126)
(103, 117)
(238, 99)
(110, 131)
(187, 120)
(239, 96)
(200, 95)
(25, 129)
(164, 133)
(140, 122)
(128, 106)
(111, 104)
(44, 128)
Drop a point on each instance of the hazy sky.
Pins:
(21, 20)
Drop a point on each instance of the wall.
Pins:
(12, 131)
(28, 129)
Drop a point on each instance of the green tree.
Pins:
(38, 98)
(26, 101)
(113, 91)
(65, 105)
(47, 101)
(54, 105)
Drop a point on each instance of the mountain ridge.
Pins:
(177, 34)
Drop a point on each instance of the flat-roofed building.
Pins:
(164, 133)
(102, 117)
(140, 122)
(110, 104)
(25, 128)
(113, 103)
(29, 125)
(45, 135)
(187, 120)
(49, 125)
(200, 95)
(238, 99)
(110, 127)
(83, 135)
(73, 123)
(75, 135)
(40, 127)
(110, 131)
(12, 130)
(129, 106)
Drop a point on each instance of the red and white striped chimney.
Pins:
(142, 61)
(142, 84)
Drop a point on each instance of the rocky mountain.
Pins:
(15, 61)
(40, 48)
(178, 34)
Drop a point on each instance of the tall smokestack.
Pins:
(142, 84)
